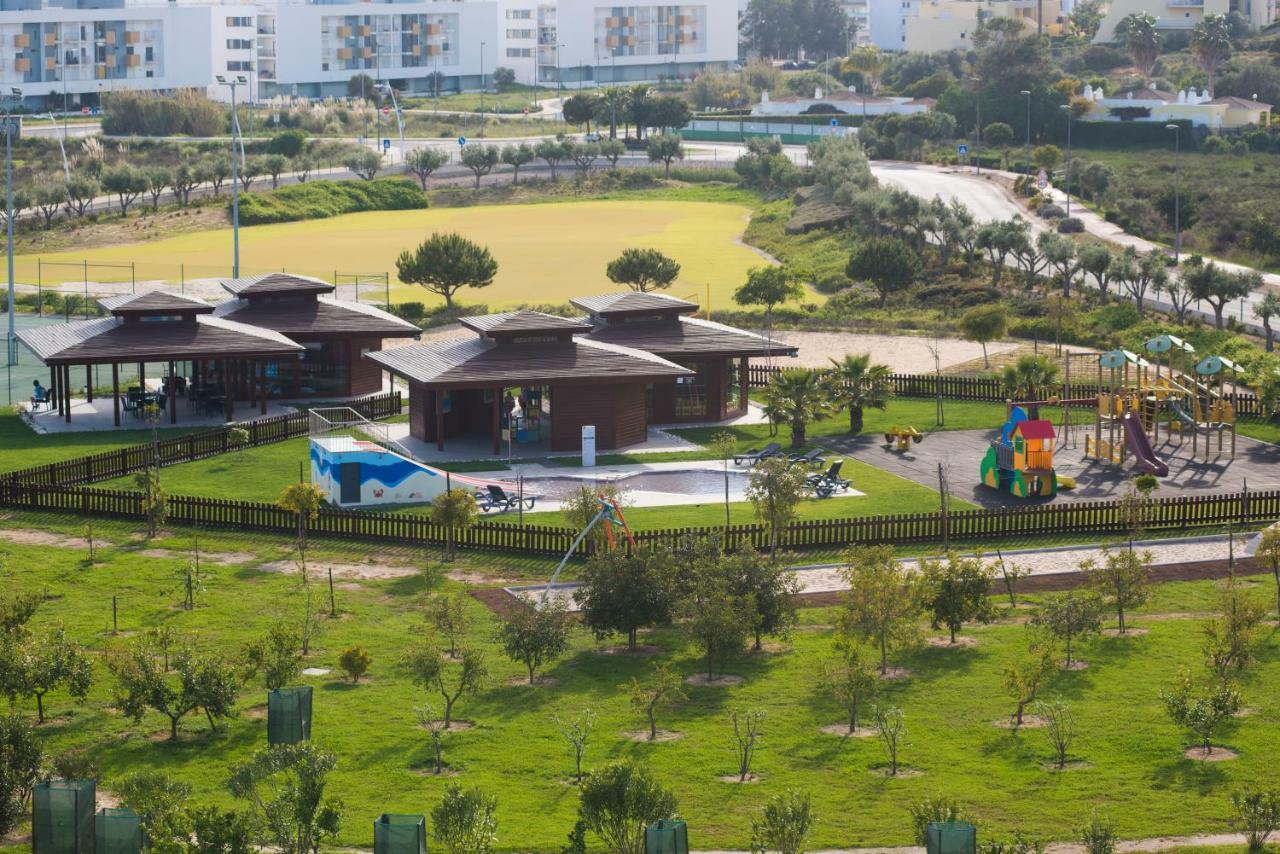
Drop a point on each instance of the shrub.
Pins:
(355, 661)
(1102, 59)
(1070, 225)
(289, 143)
(1049, 212)
(323, 199)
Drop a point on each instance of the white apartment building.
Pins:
(312, 48)
(578, 43)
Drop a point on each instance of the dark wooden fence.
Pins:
(1097, 517)
(986, 389)
(184, 449)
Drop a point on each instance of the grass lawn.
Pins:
(21, 447)
(1130, 756)
(531, 243)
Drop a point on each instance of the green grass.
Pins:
(21, 447)
(1134, 770)
(516, 99)
(531, 245)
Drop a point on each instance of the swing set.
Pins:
(609, 514)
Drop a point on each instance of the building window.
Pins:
(239, 22)
(519, 52)
(239, 65)
(239, 44)
(519, 14)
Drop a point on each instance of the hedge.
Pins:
(323, 199)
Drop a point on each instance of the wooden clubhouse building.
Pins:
(635, 360)
(278, 336)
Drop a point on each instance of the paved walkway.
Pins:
(1163, 843)
(829, 577)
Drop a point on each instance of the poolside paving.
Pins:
(960, 452)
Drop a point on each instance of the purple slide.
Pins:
(1140, 447)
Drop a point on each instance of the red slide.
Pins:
(1140, 447)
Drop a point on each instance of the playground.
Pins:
(1166, 413)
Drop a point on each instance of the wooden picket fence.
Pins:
(985, 389)
(184, 449)
(1096, 517)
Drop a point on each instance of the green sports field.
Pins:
(546, 253)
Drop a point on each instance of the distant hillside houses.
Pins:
(844, 101)
(1188, 105)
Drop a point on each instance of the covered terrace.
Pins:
(210, 361)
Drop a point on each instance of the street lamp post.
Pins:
(482, 77)
(16, 94)
(239, 80)
(395, 108)
(1067, 109)
(1177, 201)
(559, 76)
(1026, 93)
(977, 128)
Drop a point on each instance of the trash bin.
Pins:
(118, 831)
(951, 837)
(289, 715)
(666, 837)
(62, 817)
(400, 834)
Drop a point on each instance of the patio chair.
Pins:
(496, 498)
(43, 399)
(828, 482)
(812, 458)
(133, 401)
(754, 455)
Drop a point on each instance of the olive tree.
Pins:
(455, 511)
(426, 667)
(621, 592)
(775, 490)
(1070, 616)
(1200, 709)
(850, 678)
(422, 162)
(783, 824)
(660, 690)
(38, 664)
(464, 822)
(618, 801)
(447, 614)
(532, 635)
(1122, 578)
(956, 590)
(1257, 815)
(1027, 671)
(883, 602)
(285, 787)
(199, 683)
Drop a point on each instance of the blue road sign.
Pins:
(462, 140)
(962, 149)
(386, 145)
(835, 123)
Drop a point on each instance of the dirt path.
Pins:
(909, 354)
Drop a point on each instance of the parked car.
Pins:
(591, 137)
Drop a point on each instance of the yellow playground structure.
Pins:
(902, 437)
(1143, 397)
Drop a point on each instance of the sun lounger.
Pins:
(828, 482)
(494, 497)
(809, 458)
(753, 455)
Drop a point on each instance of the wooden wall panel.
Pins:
(365, 374)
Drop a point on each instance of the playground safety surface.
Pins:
(960, 452)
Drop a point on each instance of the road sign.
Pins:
(835, 123)
(462, 140)
(1042, 179)
(386, 145)
(84, 110)
(962, 149)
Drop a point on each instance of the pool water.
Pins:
(701, 483)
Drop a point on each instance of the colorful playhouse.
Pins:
(1020, 462)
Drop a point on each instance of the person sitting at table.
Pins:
(39, 395)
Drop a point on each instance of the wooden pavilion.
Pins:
(334, 334)
(558, 373)
(216, 352)
(716, 355)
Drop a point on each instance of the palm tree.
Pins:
(1139, 37)
(1030, 379)
(1211, 45)
(860, 384)
(798, 396)
(868, 61)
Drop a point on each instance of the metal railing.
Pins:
(344, 420)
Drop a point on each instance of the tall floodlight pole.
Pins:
(395, 108)
(1067, 108)
(977, 128)
(1026, 93)
(9, 120)
(239, 80)
(1177, 201)
(482, 77)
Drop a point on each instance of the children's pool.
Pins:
(696, 484)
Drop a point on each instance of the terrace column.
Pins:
(229, 387)
(88, 382)
(262, 387)
(744, 383)
(439, 396)
(142, 377)
(115, 391)
(66, 391)
(55, 386)
(497, 420)
(172, 396)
